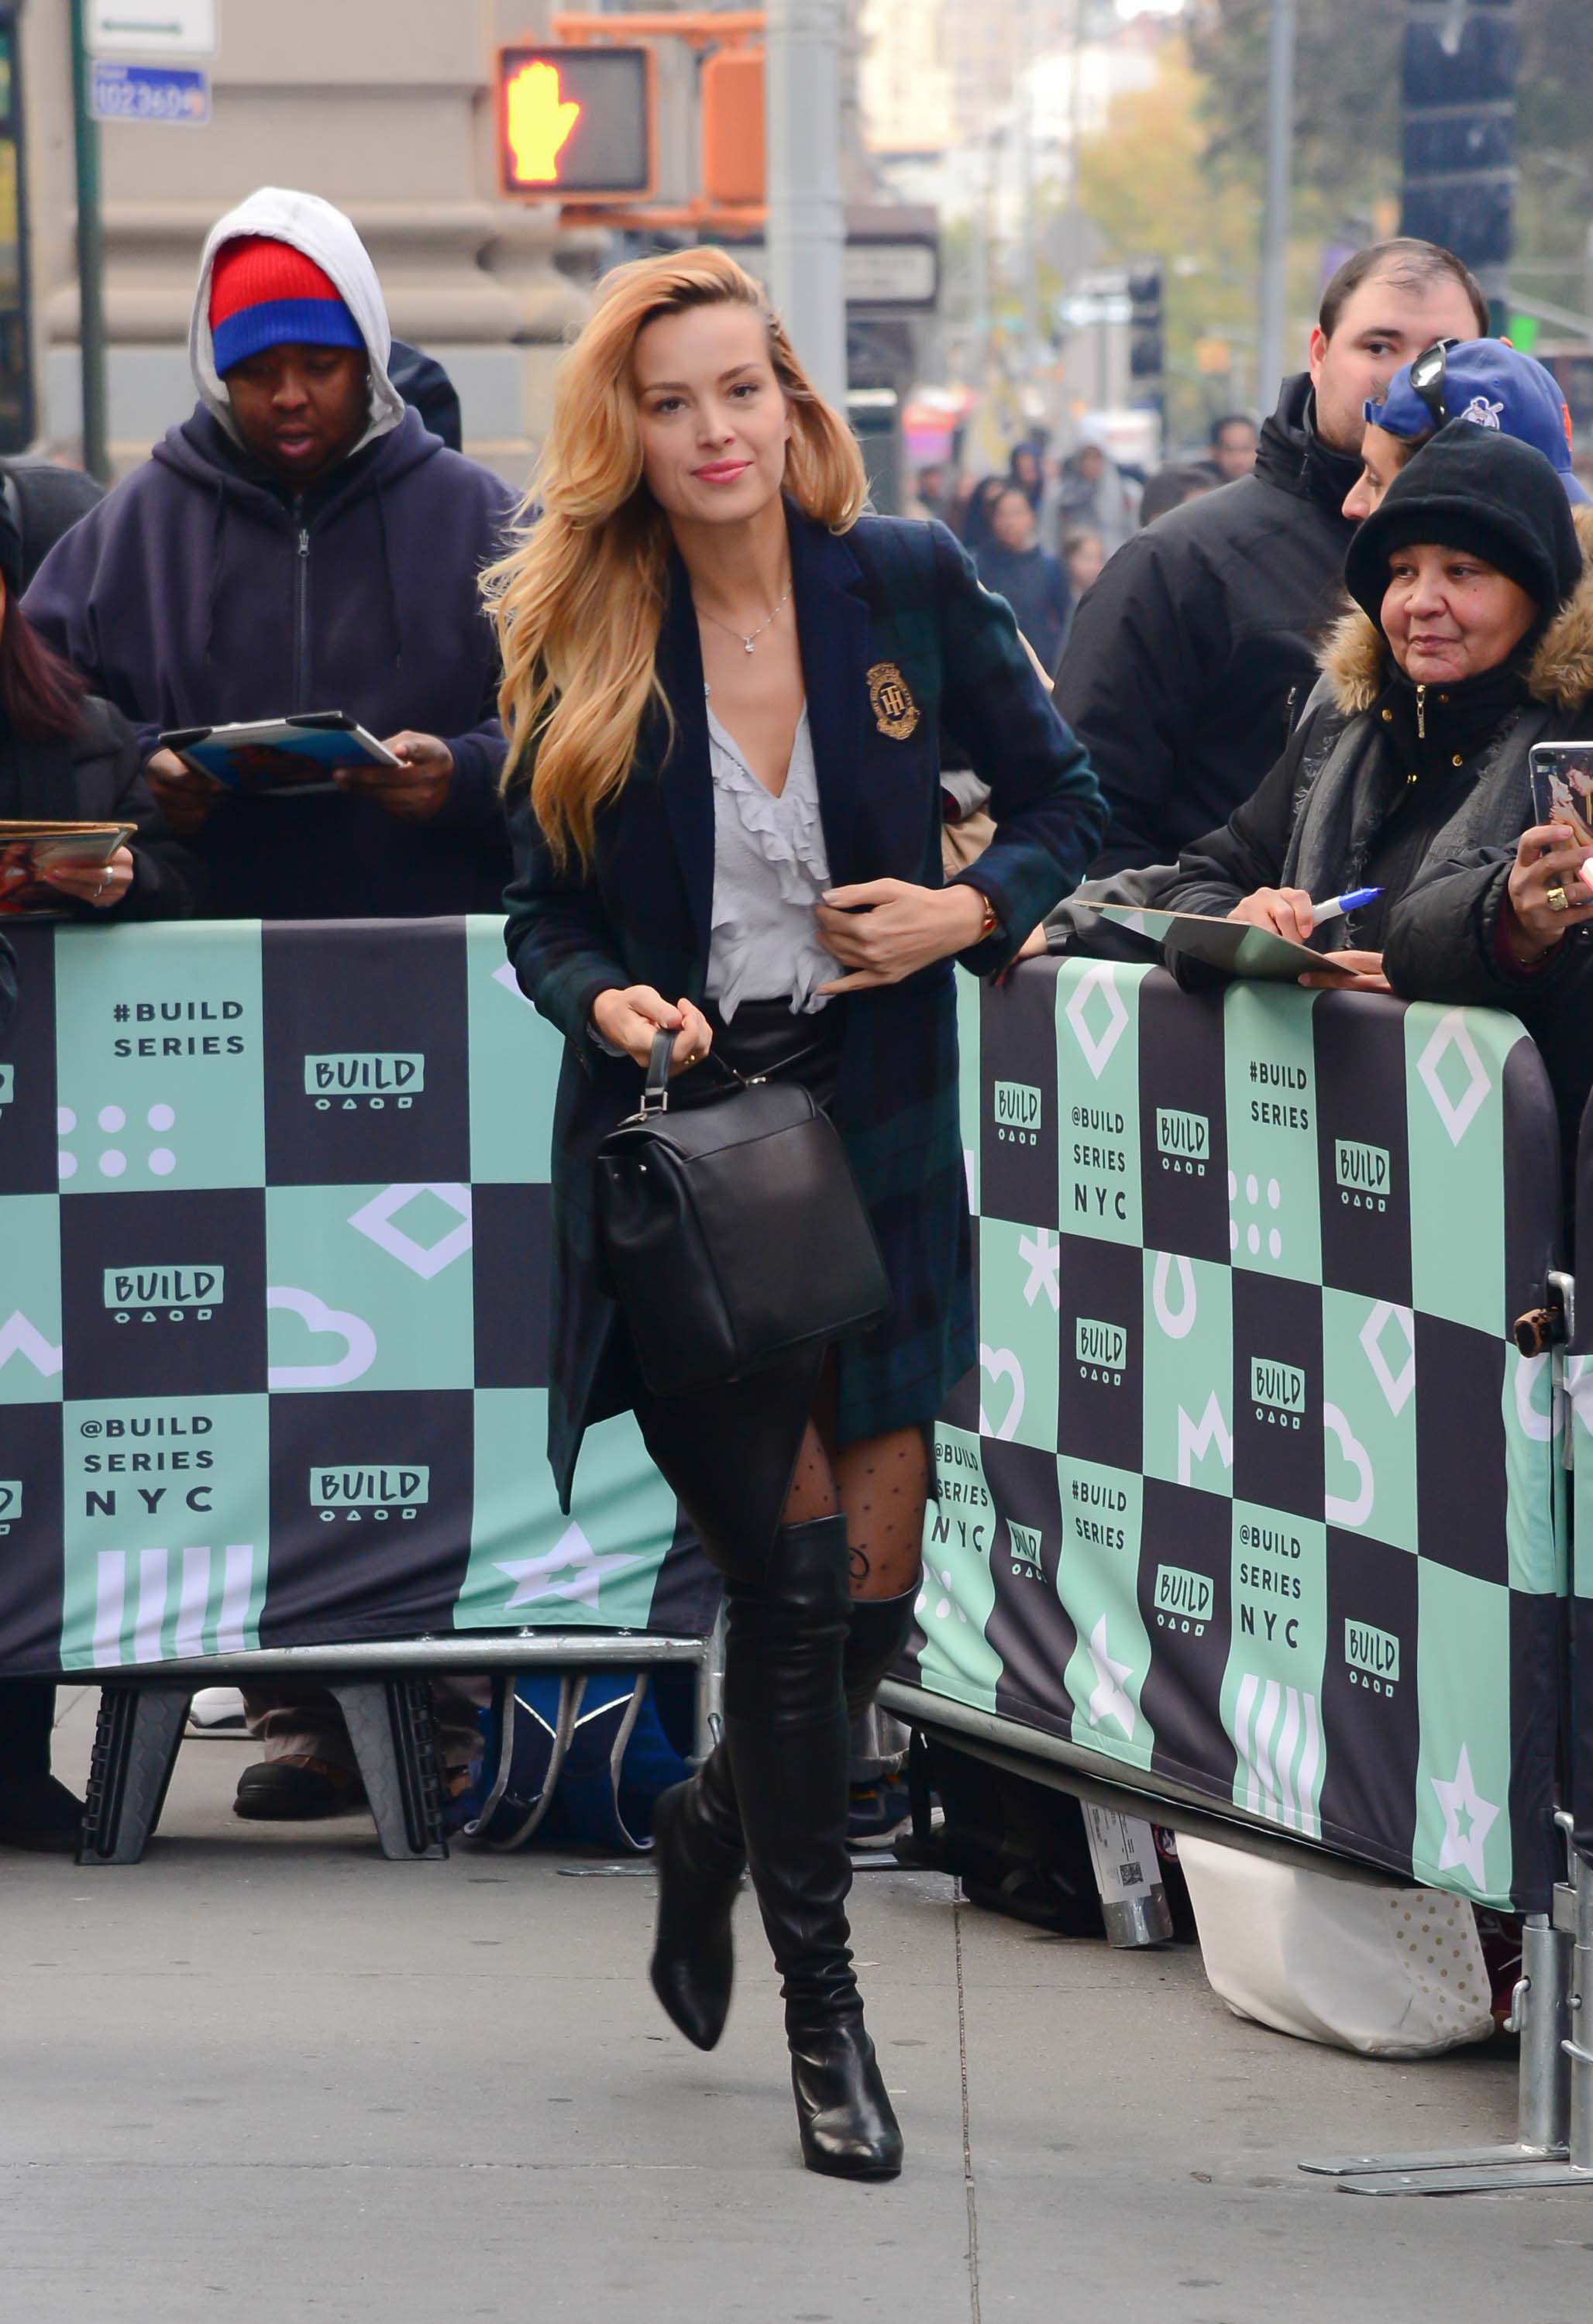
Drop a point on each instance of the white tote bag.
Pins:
(1391, 1972)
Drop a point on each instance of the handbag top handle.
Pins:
(655, 1094)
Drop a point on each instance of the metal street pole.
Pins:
(1028, 260)
(1270, 358)
(807, 226)
(90, 257)
(979, 362)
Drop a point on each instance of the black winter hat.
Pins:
(1474, 489)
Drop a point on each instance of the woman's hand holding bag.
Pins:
(630, 1020)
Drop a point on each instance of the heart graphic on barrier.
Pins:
(1001, 1364)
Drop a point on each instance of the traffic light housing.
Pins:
(575, 124)
(1458, 85)
(732, 99)
(1146, 358)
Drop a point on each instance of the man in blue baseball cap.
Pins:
(1483, 381)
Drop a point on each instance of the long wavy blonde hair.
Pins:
(579, 599)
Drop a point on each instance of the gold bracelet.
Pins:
(991, 922)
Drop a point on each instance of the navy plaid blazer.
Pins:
(891, 621)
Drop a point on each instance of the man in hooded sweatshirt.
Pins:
(303, 542)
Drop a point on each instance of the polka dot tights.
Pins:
(881, 1484)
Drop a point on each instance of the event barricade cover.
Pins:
(1253, 1489)
(273, 1252)
(1579, 1384)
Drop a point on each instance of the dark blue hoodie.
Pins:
(201, 591)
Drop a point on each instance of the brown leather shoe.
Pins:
(298, 1789)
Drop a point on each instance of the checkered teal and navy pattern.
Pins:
(1251, 1487)
(274, 1258)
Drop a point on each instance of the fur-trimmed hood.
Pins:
(1355, 657)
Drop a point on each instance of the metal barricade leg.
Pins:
(134, 1751)
(1553, 2014)
(391, 1728)
(710, 1690)
(1540, 2015)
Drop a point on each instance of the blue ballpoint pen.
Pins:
(1350, 902)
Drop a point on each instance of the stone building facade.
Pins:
(384, 106)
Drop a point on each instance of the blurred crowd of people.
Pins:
(1039, 532)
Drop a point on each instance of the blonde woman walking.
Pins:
(724, 689)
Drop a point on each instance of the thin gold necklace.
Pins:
(747, 641)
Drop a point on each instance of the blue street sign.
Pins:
(177, 94)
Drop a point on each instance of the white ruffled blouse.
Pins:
(770, 870)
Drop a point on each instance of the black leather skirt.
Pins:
(764, 1038)
(728, 1452)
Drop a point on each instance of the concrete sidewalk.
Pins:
(266, 2077)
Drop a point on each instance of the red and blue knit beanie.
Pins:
(267, 294)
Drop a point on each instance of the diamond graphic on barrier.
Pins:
(1396, 1385)
(506, 977)
(1043, 1254)
(376, 1220)
(1108, 1700)
(572, 1556)
(18, 1337)
(1457, 1114)
(1469, 1819)
(1097, 978)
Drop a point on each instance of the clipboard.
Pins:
(1232, 945)
(278, 758)
(26, 847)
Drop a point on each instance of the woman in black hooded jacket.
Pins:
(66, 756)
(1472, 639)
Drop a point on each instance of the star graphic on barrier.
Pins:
(572, 1556)
(1469, 1819)
(1108, 1700)
(1043, 1254)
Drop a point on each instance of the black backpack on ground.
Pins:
(1018, 1847)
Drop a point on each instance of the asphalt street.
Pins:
(267, 2076)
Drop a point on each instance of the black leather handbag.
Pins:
(733, 1230)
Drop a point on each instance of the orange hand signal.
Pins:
(539, 122)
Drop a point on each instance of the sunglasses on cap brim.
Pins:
(1428, 373)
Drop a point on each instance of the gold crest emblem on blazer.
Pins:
(895, 712)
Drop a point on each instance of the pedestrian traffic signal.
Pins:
(576, 123)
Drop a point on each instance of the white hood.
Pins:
(324, 234)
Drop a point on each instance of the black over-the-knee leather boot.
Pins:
(700, 1853)
(787, 1732)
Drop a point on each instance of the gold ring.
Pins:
(1559, 902)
